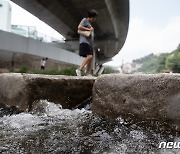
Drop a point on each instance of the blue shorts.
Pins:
(85, 49)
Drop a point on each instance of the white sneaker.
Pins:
(78, 72)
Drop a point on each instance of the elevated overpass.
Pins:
(111, 26)
(19, 45)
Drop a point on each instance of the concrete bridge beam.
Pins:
(19, 44)
(111, 26)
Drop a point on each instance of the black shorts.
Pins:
(85, 49)
(42, 67)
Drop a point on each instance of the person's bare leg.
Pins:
(88, 67)
(85, 61)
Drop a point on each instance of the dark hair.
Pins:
(92, 13)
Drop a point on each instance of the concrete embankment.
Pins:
(25, 90)
(138, 97)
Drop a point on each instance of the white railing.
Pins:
(31, 32)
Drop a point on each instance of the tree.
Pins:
(173, 61)
(161, 67)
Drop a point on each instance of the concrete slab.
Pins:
(25, 90)
(139, 98)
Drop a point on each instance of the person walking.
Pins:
(86, 42)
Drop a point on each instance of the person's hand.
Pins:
(91, 29)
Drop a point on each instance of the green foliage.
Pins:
(22, 69)
(144, 59)
(149, 63)
(109, 70)
(165, 62)
(173, 62)
(161, 63)
(67, 71)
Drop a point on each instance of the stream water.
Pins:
(49, 129)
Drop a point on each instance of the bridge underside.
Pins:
(111, 26)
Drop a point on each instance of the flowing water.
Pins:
(49, 129)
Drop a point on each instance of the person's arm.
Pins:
(80, 27)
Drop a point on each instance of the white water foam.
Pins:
(55, 110)
(21, 120)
